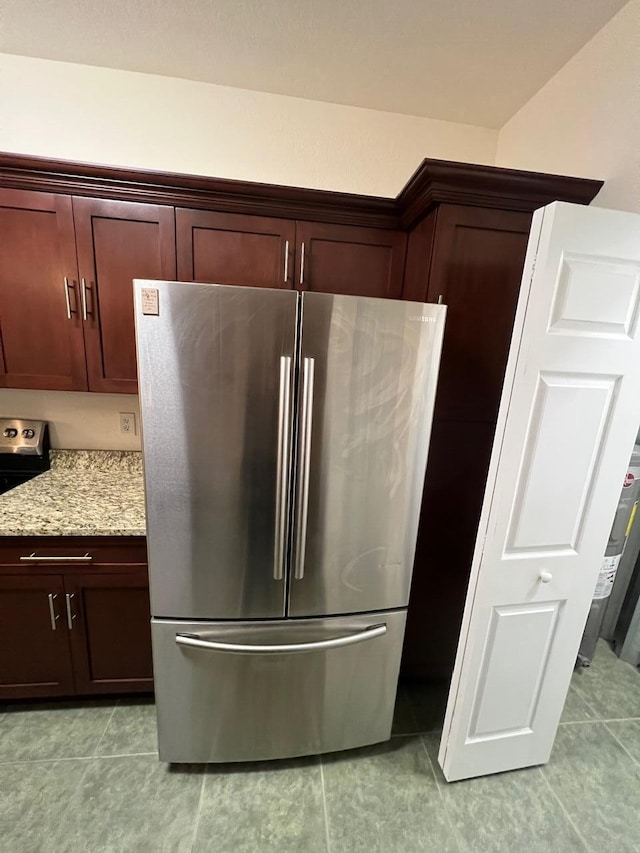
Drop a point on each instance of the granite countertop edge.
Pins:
(85, 493)
(9, 532)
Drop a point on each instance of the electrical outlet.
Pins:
(128, 423)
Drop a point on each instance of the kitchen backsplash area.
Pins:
(77, 420)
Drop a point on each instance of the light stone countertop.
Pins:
(86, 493)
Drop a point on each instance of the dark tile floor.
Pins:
(85, 777)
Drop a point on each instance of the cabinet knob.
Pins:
(546, 577)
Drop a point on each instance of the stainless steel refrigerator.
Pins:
(285, 440)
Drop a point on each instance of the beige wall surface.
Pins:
(77, 420)
(121, 118)
(586, 120)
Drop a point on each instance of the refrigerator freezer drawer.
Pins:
(247, 691)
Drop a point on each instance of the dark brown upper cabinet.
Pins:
(350, 260)
(41, 344)
(260, 251)
(66, 317)
(117, 241)
(66, 294)
(228, 248)
(475, 270)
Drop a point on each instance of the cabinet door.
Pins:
(451, 503)
(41, 342)
(349, 259)
(117, 242)
(476, 267)
(227, 248)
(34, 642)
(110, 631)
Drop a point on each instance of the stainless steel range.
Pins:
(285, 441)
(24, 451)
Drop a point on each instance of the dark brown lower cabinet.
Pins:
(459, 455)
(73, 628)
(109, 624)
(34, 641)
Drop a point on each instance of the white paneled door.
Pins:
(569, 415)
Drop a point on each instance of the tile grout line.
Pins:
(46, 760)
(196, 823)
(122, 755)
(620, 720)
(89, 760)
(456, 838)
(113, 710)
(598, 720)
(564, 809)
(324, 806)
(619, 742)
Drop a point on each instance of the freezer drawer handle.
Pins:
(306, 420)
(197, 642)
(282, 480)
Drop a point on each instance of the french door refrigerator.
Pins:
(285, 441)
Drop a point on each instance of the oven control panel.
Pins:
(21, 436)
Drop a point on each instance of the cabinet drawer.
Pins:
(70, 551)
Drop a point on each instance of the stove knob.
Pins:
(28, 433)
(10, 432)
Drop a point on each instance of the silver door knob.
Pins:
(545, 577)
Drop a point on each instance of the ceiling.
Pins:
(461, 60)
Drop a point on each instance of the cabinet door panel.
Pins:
(226, 248)
(451, 503)
(117, 242)
(41, 342)
(476, 268)
(34, 658)
(349, 259)
(111, 633)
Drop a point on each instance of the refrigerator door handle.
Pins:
(304, 465)
(197, 642)
(282, 475)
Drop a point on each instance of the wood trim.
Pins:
(221, 194)
(437, 181)
(434, 181)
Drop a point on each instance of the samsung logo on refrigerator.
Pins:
(421, 318)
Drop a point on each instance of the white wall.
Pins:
(586, 120)
(100, 115)
(122, 118)
(77, 420)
